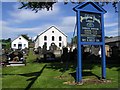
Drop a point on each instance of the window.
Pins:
(60, 38)
(53, 38)
(19, 38)
(45, 43)
(59, 44)
(52, 31)
(45, 37)
(24, 45)
(14, 45)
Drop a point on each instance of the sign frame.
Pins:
(89, 7)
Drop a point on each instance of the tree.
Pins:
(6, 40)
(36, 6)
(48, 4)
(9, 40)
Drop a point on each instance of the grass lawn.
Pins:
(47, 75)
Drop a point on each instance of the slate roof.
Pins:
(113, 39)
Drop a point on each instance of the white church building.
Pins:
(51, 36)
(19, 43)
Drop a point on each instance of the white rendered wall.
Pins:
(49, 33)
(18, 41)
(36, 43)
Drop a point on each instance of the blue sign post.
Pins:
(90, 31)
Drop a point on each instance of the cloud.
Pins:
(3, 23)
(113, 32)
(67, 24)
(108, 15)
(70, 20)
(12, 32)
(111, 24)
(14, 25)
(21, 15)
(111, 19)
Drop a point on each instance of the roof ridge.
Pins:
(18, 37)
(50, 28)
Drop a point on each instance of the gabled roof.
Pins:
(50, 28)
(83, 4)
(55, 28)
(20, 36)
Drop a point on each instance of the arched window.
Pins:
(45, 43)
(60, 44)
(45, 37)
(53, 38)
(60, 38)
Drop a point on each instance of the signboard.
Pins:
(91, 30)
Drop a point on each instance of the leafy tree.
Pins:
(6, 40)
(48, 4)
(6, 43)
(36, 6)
(9, 40)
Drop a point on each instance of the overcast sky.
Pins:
(24, 21)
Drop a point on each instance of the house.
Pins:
(113, 47)
(113, 41)
(19, 43)
(51, 36)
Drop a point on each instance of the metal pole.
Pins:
(79, 64)
(103, 50)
